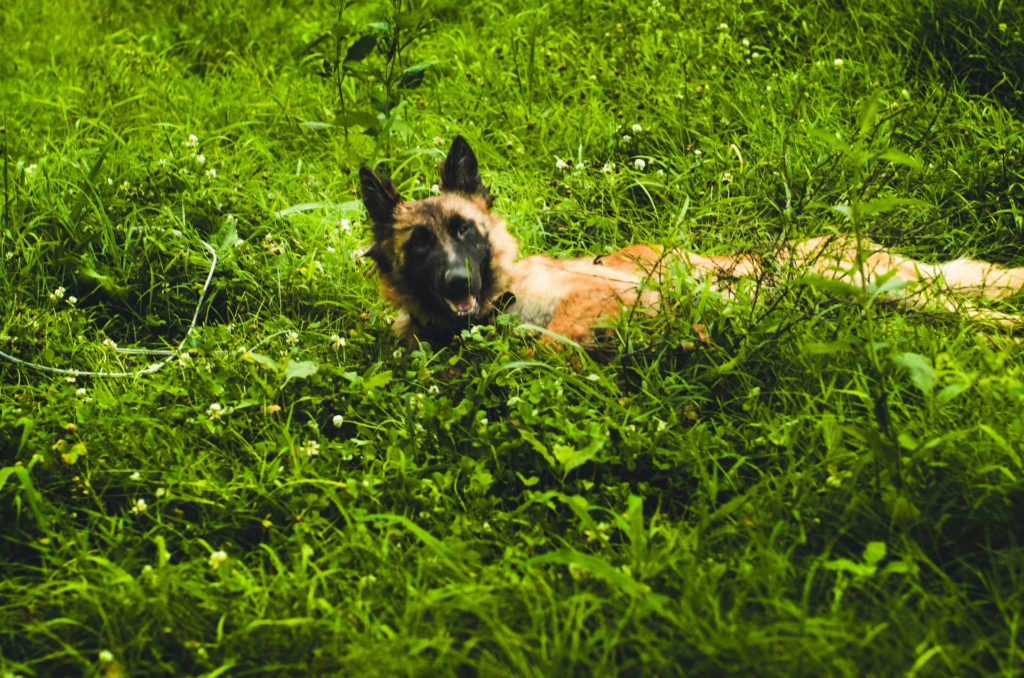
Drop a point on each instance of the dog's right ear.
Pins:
(380, 198)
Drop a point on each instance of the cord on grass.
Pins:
(170, 354)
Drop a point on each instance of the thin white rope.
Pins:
(170, 354)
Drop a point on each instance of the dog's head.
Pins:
(444, 260)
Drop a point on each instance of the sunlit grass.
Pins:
(784, 484)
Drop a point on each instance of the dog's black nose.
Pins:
(456, 283)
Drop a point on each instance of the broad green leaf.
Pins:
(300, 369)
(412, 77)
(874, 552)
(922, 373)
(361, 48)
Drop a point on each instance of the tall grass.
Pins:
(790, 483)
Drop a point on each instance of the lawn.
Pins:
(797, 481)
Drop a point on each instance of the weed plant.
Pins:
(796, 482)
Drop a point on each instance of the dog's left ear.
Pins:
(461, 172)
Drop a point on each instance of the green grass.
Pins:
(791, 484)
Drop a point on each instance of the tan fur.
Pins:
(573, 298)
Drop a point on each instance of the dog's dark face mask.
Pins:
(435, 256)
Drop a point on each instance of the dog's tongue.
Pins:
(462, 306)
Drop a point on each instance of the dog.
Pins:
(448, 261)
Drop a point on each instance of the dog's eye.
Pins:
(421, 237)
(462, 227)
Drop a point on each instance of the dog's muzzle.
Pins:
(458, 291)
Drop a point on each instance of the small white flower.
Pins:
(561, 164)
(697, 152)
(110, 343)
(439, 141)
(358, 254)
(200, 159)
(726, 177)
(636, 128)
(31, 168)
(745, 42)
(344, 225)
(435, 189)
(215, 411)
(311, 448)
(80, 392)
(70, 380)
(211, 173)
(57, 294)
(231, 219)
(626, 138)
(160, 492)
(608, 168)
(292, 337)
(139, 507)
(580, 167)
(72, 301)
(239, 243)
(106, 656)
(135, 477)
(433, 389)
(723, 26)
(640, 164)
(337, 420)
(338, 341)
(218, 558)
(593, 377)
(838, 63)
(192, 141)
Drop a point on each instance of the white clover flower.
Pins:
(439, 141)
(72, 301)
(139, 507)
(636, 128)
(697, 152)
(311, 448)
(640, 164)
(292, 337)
(726, 177)
(70, 380)
(215, 411)
(31, 168)
(80, 393)
(106, 656)
(626, 138)
(211, 173)
(192, 141)
(338, 341)
(135, 476)
(608, 168)
(580, 167)
(745, 42)
(561, 165)
(435, 189)
(337, 420)
(723, 26)
(838, 63)
(160, 492)
(218, 558)
(344, 225)
(433, 389)
(110, 343)
(57, 294)
(200, 159)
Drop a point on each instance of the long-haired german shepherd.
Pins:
(448, 261)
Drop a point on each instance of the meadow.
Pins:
(804, 480)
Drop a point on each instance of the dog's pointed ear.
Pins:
(381, 198)
(461, 172)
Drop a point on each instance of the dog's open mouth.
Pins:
(462, 307)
